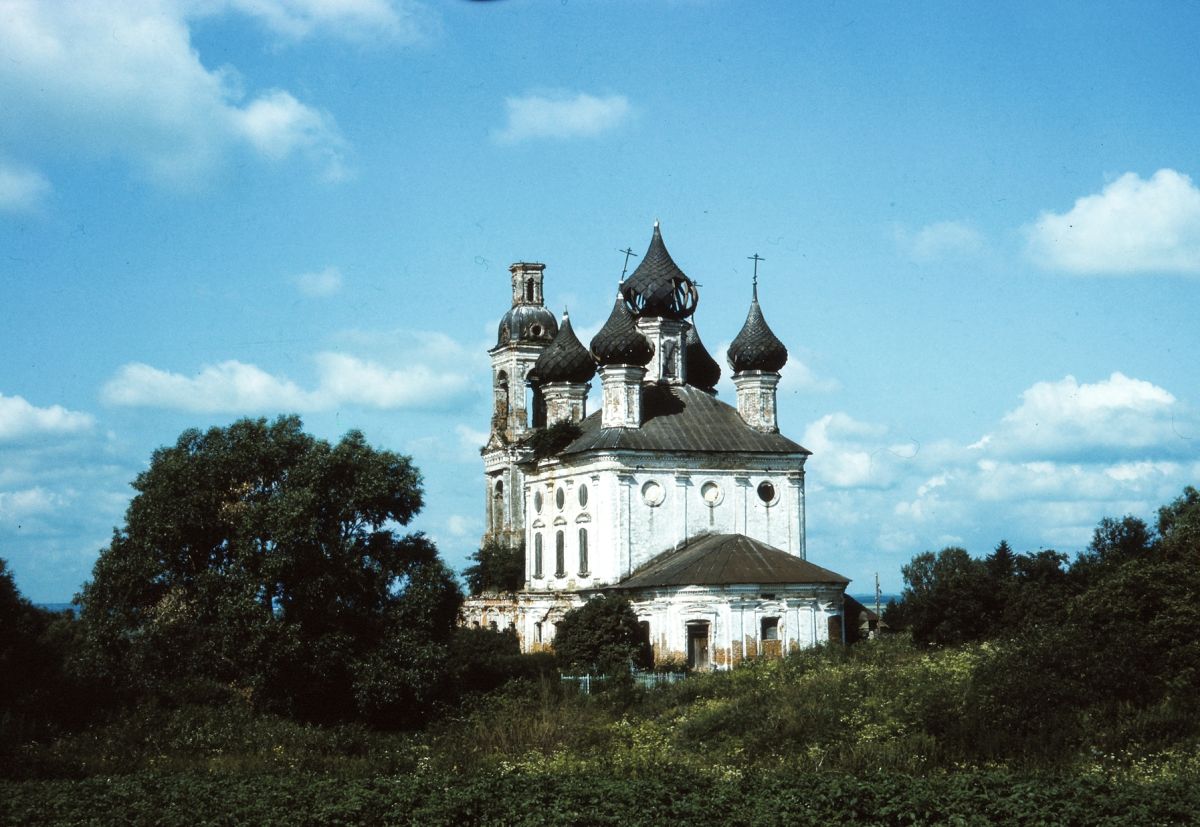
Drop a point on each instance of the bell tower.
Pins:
(524, 332)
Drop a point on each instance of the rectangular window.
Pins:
(770, 628)
(560, 555)
(583, 561)
(537, 555)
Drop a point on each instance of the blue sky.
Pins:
(981, 226)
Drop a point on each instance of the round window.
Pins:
(583, 496)
(537, 501)
(560, 497)
(711, 493)
(535, 330)
(653, 493)
(766, 492)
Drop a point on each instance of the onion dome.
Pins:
(619, 342)
(527, 323)
(701, 369)
(565, 360)
(756, 347)
(658, 287)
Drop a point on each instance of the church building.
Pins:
(690, 507)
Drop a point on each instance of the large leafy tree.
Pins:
(602, 635)
(496, 567)
(946, 596)
(263, 559)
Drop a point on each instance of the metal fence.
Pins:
(586, 684)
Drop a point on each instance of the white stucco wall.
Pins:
(638, 508)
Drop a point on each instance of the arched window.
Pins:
(498, 506)
(583, 561)
(501, 398)
(529, 290)
(537, 555)
(560, 555)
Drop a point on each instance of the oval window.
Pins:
(583, 495)
(653, 493)
(711, 492)
(560, 497)
(537, 501)
(766, 492)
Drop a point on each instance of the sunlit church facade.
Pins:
(690, 507)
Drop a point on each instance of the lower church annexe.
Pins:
(690, 507)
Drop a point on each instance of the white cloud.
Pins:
(848, 453)
(1119, 416)
(21, 505)
(428, 374)
(319, 284)
(277, 125)
(349, 380)
(21, 189)
(1068, 454)
(354, 20)
(943, 239)
(1132, 226)
(19, 419)
(561, 116)
(228, 386)
(124, 80)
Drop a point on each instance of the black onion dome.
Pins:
(756, 347)
(701, 369)
(619, 342)
(658, 287)
(527, 323)
(565, 360)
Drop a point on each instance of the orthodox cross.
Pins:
(756, 258)
(628, 251)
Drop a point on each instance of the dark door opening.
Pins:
(697, 645)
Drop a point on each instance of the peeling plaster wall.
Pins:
(734, 615)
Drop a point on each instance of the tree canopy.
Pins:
(497, 567)
(602, 635)
(261, 558)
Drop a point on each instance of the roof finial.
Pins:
(656, 223)
(628, 251)
(566, 313)
(756, 258)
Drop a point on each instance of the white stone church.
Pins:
(690, 507)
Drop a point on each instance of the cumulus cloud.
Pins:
(22, 189)
(320, 284)
(228, 386)
(943, 239)
(430, 375)
(1131, 226)
(124, 79)
(1119, 416)
(20, 419)
(1068, 454)
(851, 454)
(561, 116)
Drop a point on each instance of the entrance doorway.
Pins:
(697, 644)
